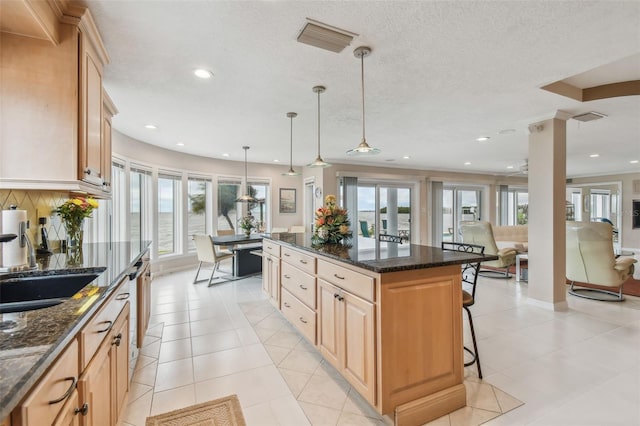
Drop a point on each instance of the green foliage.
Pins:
(401, 209)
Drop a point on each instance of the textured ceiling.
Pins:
(440, 75)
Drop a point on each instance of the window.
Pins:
(169, 195)
(518, 207)
(600, 205)
(198, 204)
(459, 204)
(259, 210)
(119, 200)
(140, 201)
(228, 192)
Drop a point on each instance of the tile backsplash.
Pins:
(37, 204)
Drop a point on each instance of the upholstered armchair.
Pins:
(590, 260)
(481, 233)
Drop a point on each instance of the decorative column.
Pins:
(547, 231)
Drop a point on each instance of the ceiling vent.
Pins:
(589, 116)
(325, 36)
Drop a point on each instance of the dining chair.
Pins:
(206, 252)
(469, 273)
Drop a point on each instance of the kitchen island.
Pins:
(31, 341)
(386, 315)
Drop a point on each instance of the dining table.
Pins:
(247, 250)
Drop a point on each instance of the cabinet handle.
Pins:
(303, 287)
(122, 296)
(287, 255)
(148, 274)
(74, 381)
(108, 327)
(286, 276)
(302, 320)
(304, 262)
(338, 277)
(117, 339)
(87, 171)
(82, 410)
(340, 298)
(286, 305)
(336, 295)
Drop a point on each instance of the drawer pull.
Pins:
(74, 381)
(122, 296)
(338, 277)
(117, 339)
(303, 287)
(287, 276)
(336, 295)
(340, 298)
(286, 305)
(302, 320)
(304, 262)
(270, 248)
(108, 327)
(287, 255)
(82, 410)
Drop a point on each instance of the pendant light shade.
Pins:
(291, 172)
(363, 148)
(246, 198)
(319, 162)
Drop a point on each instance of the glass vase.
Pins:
(74, 235)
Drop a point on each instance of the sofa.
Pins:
(516, 236)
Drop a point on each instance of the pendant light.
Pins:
(291, 172)
(319, 162)
(364, 147)
(246, 198)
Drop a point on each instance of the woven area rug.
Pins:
(220, 412)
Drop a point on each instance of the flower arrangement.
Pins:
(73, 212)
(247, 223)
(332, 223)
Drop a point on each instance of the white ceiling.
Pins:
(440, 75)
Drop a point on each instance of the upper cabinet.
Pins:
(56, 117)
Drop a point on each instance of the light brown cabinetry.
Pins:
(271, 272)
(108, 111)
(47, 399)
(53, 134)
(71, 413)
(346, 336)
(143, 295)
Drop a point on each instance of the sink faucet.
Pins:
(24, 240)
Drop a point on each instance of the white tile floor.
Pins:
(580, 367)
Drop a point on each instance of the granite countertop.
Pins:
(30, 341)
(379, 256)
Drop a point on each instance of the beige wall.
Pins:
(146, 154)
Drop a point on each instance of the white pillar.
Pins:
(547, 232)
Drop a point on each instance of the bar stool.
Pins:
(469, 276)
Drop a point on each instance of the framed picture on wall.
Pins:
(287, 200)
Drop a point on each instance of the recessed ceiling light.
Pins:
(202, 73)
(506, 131)
(509, 167)
(594, 155)
(406, 157)
(483, 138)
(180, 144)
(276, 161)
(150, 126)
(467, 163)
(225, 155)
(634, 161)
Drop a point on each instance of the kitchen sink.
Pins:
(36, 292)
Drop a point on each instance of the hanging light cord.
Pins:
(291, 146)
(318, 123)
(362, 80)
(246, 179)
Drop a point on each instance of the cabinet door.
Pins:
(359, 344)
(105, 155)
(274, 285)
(120, 349)
(95, 387)
(71, 412)
(329, 329)
(143, 295)
(266, 273)
(90, 123)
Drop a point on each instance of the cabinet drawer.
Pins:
(301, 317)
(299, 260)
(99, 326)
(271, 248)
(352, 281)
(300, 284)
(45, 401)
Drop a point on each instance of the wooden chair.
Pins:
(470, 273)
(206, 252)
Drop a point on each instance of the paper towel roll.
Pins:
(12, 253)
